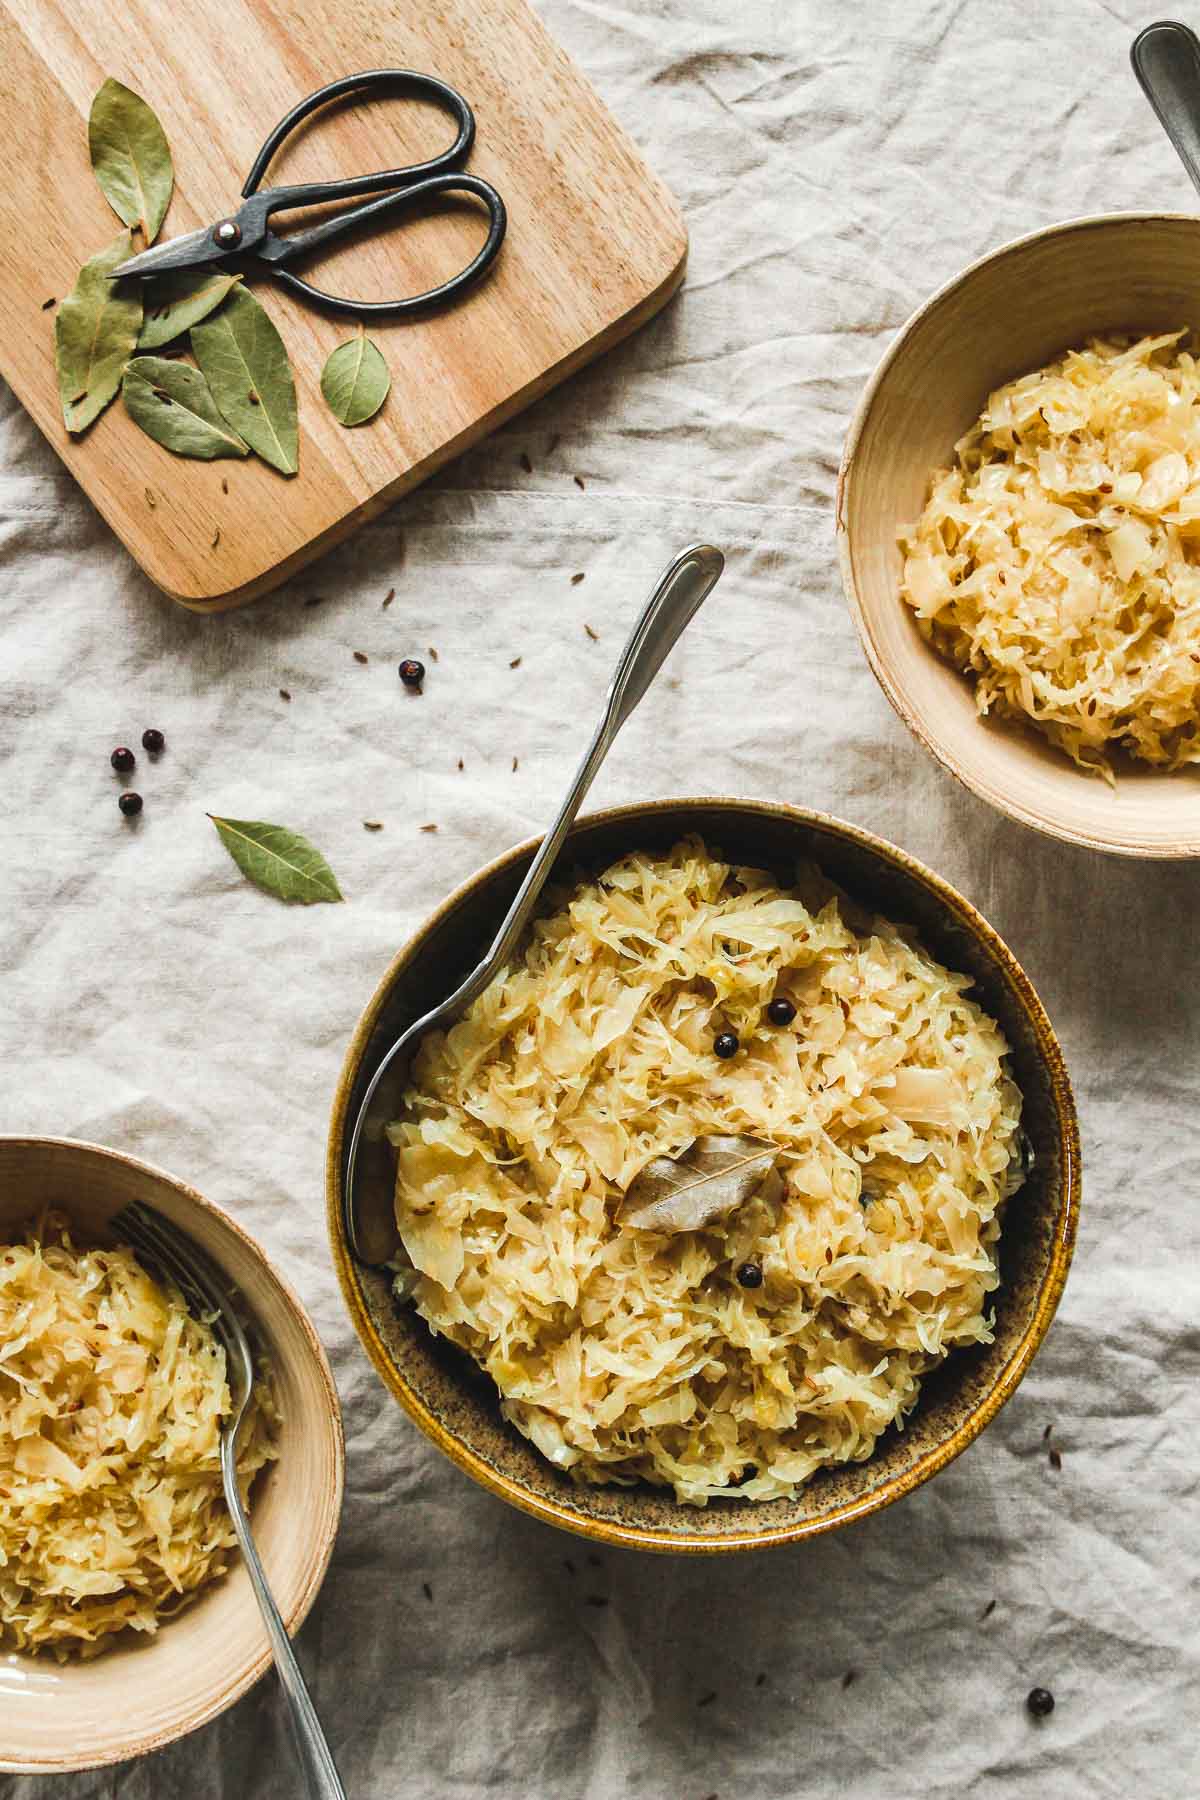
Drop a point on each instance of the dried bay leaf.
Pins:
(95, 332)
(131, 157)
(174, 303)
(172, 404)
(280, 861)
(707, 1182)
(247, 369)
(355, 381)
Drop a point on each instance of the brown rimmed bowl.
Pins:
(145, 1692)
(456, 1405)
(1009, 314)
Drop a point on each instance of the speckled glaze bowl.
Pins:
(145, 1692)
(456, 1405)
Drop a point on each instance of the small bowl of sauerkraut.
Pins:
(1019, 521)
(738, 1203)
(126, 1616)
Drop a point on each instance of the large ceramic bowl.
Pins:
(1005, 316)
(143, 1693)
(456, 1405)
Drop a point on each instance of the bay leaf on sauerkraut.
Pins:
(706, 1182)
(628, 1354)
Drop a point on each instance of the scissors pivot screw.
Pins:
(228, 234)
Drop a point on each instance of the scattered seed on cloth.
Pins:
(283, 694)
(388, 598)
(429, 828)
(360, 656)
(594, 635)
(577, 578)
(515, 663)
(372, 824)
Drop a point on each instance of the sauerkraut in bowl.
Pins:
(641, 1321)
(111, 1510)
(1057, 561)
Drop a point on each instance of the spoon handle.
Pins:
(1166, 60)
(683, 588)
(681, 591)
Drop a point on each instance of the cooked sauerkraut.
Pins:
(1059, 559)
(787, 1333)
(111, 1398)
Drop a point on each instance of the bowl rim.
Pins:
(296, 1614)
(613, 1532)
(977, 784)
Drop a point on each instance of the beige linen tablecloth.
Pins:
(835, 162)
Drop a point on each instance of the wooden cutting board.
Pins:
(595, 246)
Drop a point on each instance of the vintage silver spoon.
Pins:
(368, 1217)
(1166, 60)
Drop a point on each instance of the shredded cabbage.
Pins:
(111, 1510)
(625, 1353)
(1059, 559)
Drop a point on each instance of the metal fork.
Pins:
(170, 1252)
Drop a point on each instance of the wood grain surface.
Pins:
(595, 246)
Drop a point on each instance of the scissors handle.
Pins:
(370, 81)
(400, 190)
(275, 252)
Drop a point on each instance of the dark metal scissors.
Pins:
(246, 234)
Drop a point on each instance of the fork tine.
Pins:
(204, 1285)
(162, 1243)
(156, 1245)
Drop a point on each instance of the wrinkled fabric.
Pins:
(835, 163)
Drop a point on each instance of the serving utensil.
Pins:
(162, 1246)
(1166, 61)
(367, 1186)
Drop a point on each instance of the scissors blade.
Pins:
(191, 251)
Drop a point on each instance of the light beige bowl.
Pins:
(142, 1694)
(1011, 313)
